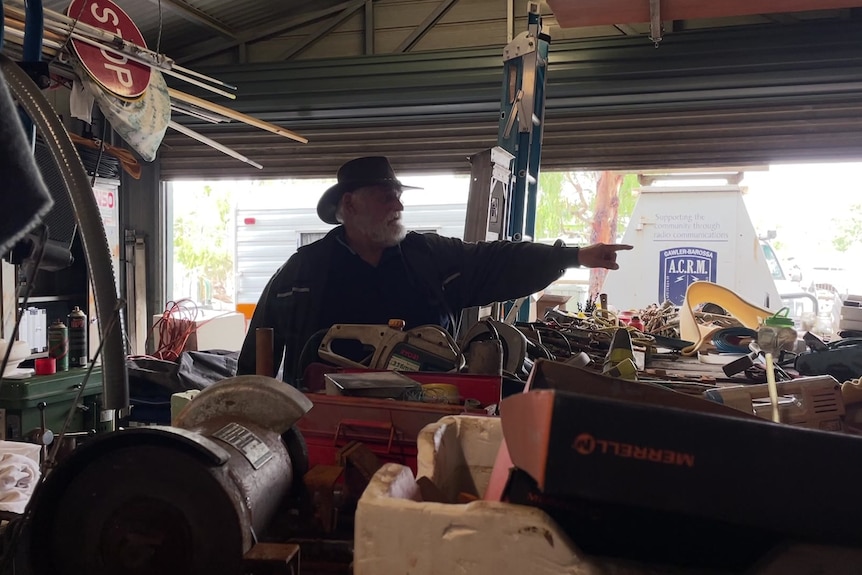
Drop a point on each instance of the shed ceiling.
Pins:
(191, 31)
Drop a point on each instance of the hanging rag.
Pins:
(142, 123)
(81, 102)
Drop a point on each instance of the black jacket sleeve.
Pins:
(484, 272)
(264, 316)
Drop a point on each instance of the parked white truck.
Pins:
(688, 233)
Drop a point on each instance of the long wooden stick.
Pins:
(12, 31)
(15, 28)
(234, 115)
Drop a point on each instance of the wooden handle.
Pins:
(234, 115)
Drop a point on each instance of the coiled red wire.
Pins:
(177, 323)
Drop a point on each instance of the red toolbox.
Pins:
(388, 428)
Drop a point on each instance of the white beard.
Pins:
(390, 234)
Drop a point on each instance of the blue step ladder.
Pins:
(522, 120)
(505, 179)
(522, 114)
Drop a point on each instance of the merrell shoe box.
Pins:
(687, 464)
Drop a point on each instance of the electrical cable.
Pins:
(733, 339)
(108, 166)
(159, 37)
(68, 39)
(308, 355)
(177, 323)
(558, 336)
(101, 151)
(607, 322)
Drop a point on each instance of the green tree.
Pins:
(552, 206)
(201, 238)
(848, 229)
(566, 203)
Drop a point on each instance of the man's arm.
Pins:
(486, 272)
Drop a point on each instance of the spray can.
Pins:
(58, 344)
(78, 351)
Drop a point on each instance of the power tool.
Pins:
(425, 348)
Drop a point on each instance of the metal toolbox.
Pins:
(389, 428)
(20, 400)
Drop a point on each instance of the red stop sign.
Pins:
(114, 72)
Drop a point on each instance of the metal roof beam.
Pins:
(322, 30)
(584, 13)
(627, 29)
(420, 30)
(210, 47)
(781, 18)
(192, 14)
(369, 27)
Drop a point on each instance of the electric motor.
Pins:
(189, 499)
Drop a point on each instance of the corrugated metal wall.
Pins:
(733, 96)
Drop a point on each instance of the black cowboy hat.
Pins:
(368, 171)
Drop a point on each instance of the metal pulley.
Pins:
(188, 499)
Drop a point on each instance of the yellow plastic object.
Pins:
(748, 314)
(441, 393)
(619, 361)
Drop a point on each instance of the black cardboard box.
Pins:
(687, 463)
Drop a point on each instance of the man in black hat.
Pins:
(369, 270)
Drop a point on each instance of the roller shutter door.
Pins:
(708, 98)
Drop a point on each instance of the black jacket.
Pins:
(459, 274)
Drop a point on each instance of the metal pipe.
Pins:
(655, 21)
(14, 30)
(33, 27)
(34, 24)
(62, 23)
(145, 62)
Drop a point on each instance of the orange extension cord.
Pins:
(177, 323)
